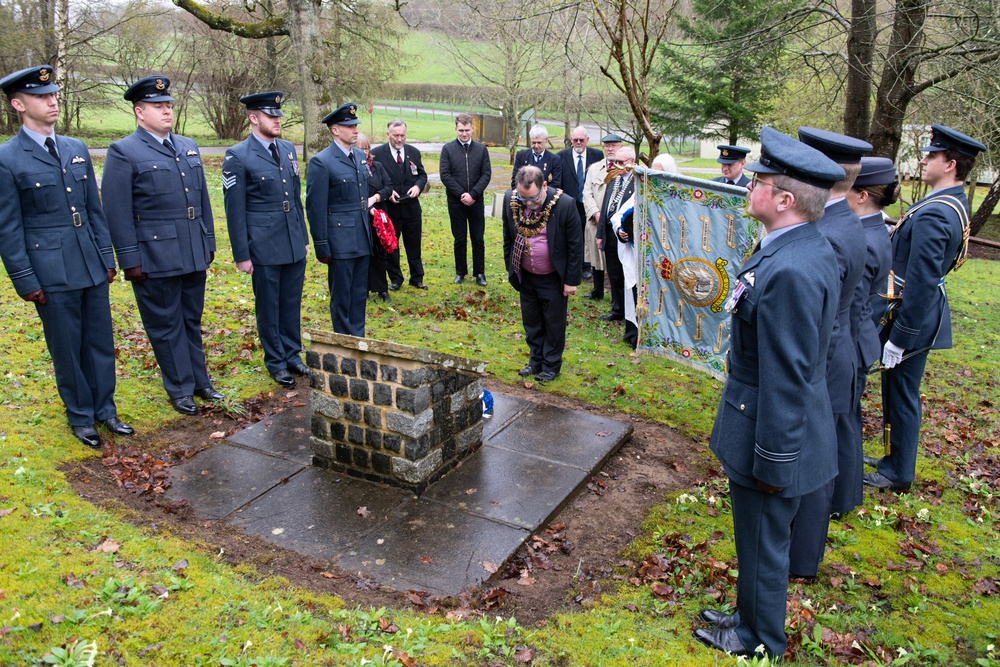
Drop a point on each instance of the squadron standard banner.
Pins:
(693, 236)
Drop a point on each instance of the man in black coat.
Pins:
(465, 172)
(267, 229)
(543, 253)
(406, 171)
(575, 161)
(56, 248)
(620, 189)
(539, 156)
(156, 201)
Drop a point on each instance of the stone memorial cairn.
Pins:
(391, 413)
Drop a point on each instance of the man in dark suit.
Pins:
(157, 205)
(618, 191)
(732, 159)
(267, 229)
(465, 172)
(928, 243)
(543, 253)
(843, 229)
(593, 198)
(575, 161)
(539, 156)
(56, 248)
(406, 170)
(337, 204)
(773, 432)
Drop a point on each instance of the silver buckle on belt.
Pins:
(190, 212)
(77, 219)
(286, 206)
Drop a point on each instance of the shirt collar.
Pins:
(265, 144)
(37, 137)
(772, 236)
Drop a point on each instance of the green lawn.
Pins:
(912, 579)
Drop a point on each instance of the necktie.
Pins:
(50, 146)
(169, 146)
(579, 177)
(731, 183)
(399, 158)
(611, 165)
(537, 157)
(274, 152)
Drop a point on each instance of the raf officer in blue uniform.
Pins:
(156, 202)
(267, 228)
(337, 204)
(843, 229)
(773, 432)
(928, 242)
(732, 159)
(57, 251)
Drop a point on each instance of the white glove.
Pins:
(891, 355)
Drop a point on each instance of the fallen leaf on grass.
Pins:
(329, 575)
(6, 512)
(108, 546)
(525, 655)
(404, 658)
(387, 626)
(180, 565)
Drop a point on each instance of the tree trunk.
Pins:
(860, 55)
(304, 30)
(986, 208)
(896, 89)
(62, 75)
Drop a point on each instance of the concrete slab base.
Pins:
(533, 460)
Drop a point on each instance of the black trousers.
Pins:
(410, 228)
(78, 333)
(543, 315)
(473, 219)
(377, 266)
(277, 291)
(171, 310)
(615, 272)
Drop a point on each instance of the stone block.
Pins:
(326, 405)
(318, 381)
(313, 359)
(412, 426)
(381, 463)
(381, 394)
(469, 438)
(356, 434)
(457, 400)
(320, 427)
(373, 416)
(349, 367)
(369, 369)
(338, 385)
(415, 377)
(392, 442)
(352, 411)
(413, 400)
(389, 373)
(359, 390)
(331, 364)
(417, 448)
(322, 448)
(415, 472)
(343, 453)
(338, 431)
(373, 438)
(361, 457)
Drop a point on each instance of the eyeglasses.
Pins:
(522, 198)
(621, 163)
(755, 182)
(577, 140)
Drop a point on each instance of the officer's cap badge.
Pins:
(353, 110)
(43, 75)
(277, 100)
(160, 85)
(725, 152)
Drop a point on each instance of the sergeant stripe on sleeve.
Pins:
(228, 180)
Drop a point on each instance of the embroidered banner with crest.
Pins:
(692, 237)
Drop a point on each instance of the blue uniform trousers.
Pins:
(277, 291)
(171, 309)
(543, 314)
(904, 413)
(348, 281)
(848, 492)
(78, 333)
(762, 526)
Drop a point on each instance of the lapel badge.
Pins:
(291, 157)
(191, 152)
(77, 160)
(750, 278)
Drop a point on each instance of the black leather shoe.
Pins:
(718, 619)
(394, 287)
(546, 376)
(527, 370)
(871, 461)
(87, 435)
(594, 294)
(117, 426)
(385, 297)
(611, 317)
(481, 280)
(880, 481)
(299, 369)
(209, 394)
(184, 405)
(722, 640)
(459, 277)
(284, 378)
(418, 285)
